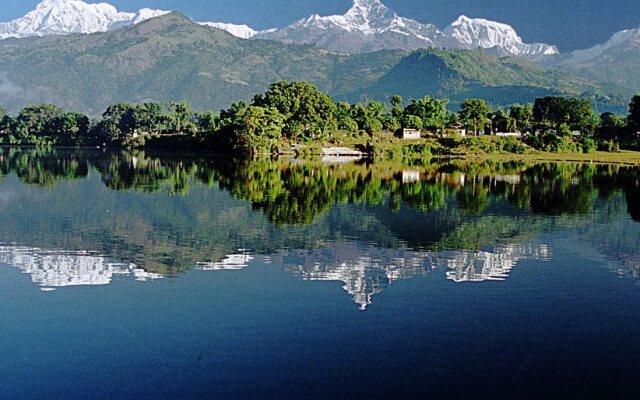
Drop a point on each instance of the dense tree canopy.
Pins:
(432, 112)
(577, 114)
(308, 113)
(297, 112)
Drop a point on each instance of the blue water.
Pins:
(563, 321)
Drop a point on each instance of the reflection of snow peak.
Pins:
(230, 262)
(53, 269)
(367, 271)
(364, 270)
(490, 266)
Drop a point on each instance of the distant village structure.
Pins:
(409, 134)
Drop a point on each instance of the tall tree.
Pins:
(396, 106)
(180, 116)
(553, 112)
(501, 121)
(521, 116)
(308, 112)
(36, 117)
(475, 113)
(634, 113)
(68, 128)
(432, 112)
(259, 130)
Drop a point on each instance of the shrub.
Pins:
(512, 145)
(563, 144)
(589, 145)
(609, 146)
(534, 141)
(131, 142)
(413, 150)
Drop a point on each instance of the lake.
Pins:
(133, 275)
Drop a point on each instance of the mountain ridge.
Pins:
(613, 61)
(367, 26)
(171, 58)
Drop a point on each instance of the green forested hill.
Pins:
(172, 58)
(618, 66)
(461, 74)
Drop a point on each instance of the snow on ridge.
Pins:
(241, 31)
(618, 39)
(63, 17)
(367, 26)
(478, 32)
(373, 25)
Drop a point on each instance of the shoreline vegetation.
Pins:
(295, 118)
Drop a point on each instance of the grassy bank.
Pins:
(599, 157)
(387, 147)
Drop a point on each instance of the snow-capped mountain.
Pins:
(369, 25)
(619, 43)
(241, 31)
(62, 17)
(615, 61)
(481, 33)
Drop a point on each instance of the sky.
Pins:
(569, 24)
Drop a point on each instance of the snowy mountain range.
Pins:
(241, 31)
(367, 26)
(619, 43)
(63, 17)
(481, 33)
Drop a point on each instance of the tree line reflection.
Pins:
(295, 192)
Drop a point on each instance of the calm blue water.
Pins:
(190, 279)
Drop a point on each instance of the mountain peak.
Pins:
(474, 33)
(367, 7)
(465, 20)
(368, 13)
(63, 17)
(369, 25)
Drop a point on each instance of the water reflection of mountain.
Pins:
(366, 270)
(54, 269)
(492, 265)
(167, 214)
(232, 262)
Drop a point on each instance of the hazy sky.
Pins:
(570, 24)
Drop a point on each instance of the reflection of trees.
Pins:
(125, 171)
(424, 196)
(452, 205)
(556, 189)
(291, 192)
(43, 167)
(299, 193)
(633, 203)
(473, 198)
